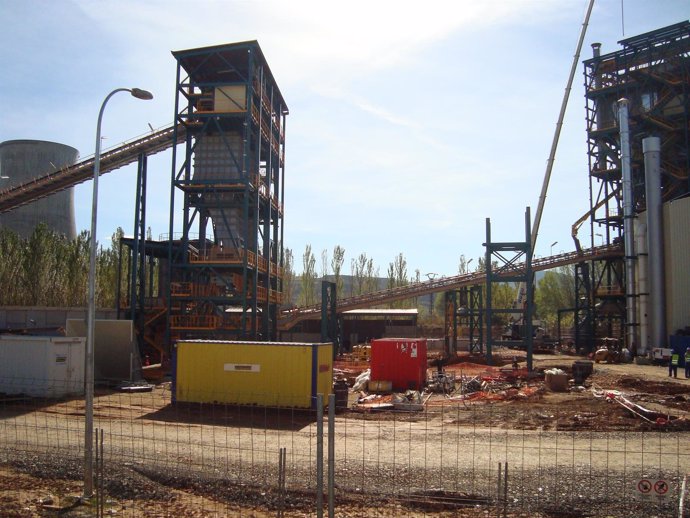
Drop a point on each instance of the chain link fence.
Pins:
(506, 459)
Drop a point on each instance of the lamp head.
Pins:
(141, 94)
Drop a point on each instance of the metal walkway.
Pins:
(61, 179)
(291, 317)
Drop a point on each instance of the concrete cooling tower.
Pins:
(23, 160)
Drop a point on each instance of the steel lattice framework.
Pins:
(652, 71)
(226, 273)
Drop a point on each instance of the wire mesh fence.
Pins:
(164, 459)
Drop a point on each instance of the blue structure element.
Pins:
(226, 267)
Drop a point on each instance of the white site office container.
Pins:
(42, 366)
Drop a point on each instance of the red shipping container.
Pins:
(401, 361)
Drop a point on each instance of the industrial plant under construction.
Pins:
(203, 324)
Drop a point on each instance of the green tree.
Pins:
(39, 267)
(288, 279)
(397, 277)
(371, 277)
(47, 269)
(307, 297)
(324, 263)
(556, 290)
(358, 267)
(77, 270)
(416, 280)
(107, 266)
(337, 265)
(462, 265)
(503, 296)
(11, 267)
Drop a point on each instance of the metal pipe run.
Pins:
(651, 147)
(628, 227)
(642, 289)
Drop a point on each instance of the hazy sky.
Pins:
(410, 122)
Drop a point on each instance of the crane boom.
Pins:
(559, 125)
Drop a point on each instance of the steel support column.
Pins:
(502, 265)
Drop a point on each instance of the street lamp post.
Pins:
(91, 311)
(552, 245)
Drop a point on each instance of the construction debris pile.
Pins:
(567, 386)
(464, 382)
(650, 416)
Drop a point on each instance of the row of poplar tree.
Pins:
(554, 291)
(48, 269)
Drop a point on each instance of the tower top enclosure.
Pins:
(231, 63)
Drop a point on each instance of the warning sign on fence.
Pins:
(651, 488)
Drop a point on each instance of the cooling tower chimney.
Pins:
(23, 160)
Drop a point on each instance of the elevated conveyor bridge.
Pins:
(111, 159)
(290, 318)
(160, 140)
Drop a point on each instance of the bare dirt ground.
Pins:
(576, 409)
(42, 486)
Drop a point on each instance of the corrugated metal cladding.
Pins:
(677, 263)
(274, 374)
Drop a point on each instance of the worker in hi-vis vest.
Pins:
(687, 362)
(673, 364)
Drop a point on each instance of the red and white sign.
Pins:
(651, 488)
(660, 488)
(644, 486)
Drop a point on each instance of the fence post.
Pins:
(331, 455)
(681, 500)
(319, 455)
(498, 491)
(282, 459)
(99, 473)
(505, 490)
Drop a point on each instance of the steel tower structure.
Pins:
(225, 268)
(652, 71)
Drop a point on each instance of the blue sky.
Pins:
(410, 122)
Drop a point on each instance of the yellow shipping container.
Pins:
(280, 374)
